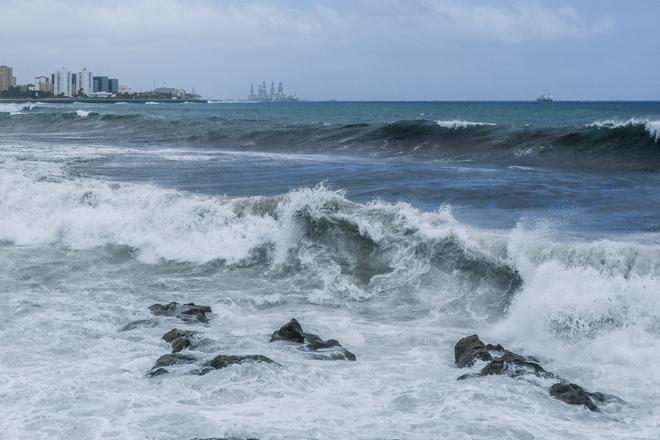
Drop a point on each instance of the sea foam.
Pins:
(650, 125)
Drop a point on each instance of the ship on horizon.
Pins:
(264, 95)
(545, 98)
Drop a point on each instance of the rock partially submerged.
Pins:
(576, 395)
(223, 360)
(573, 395)
(157, 372)
(514, 365)
(225, 438)
(168, 360)
(189, 312)
(468, 350)
(180, 339)
(500, 361)
(291, 331)
(331, 349)
(504, 362)
(139, 323)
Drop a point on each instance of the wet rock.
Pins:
(167, 360)
(508, 363)
(164, 309)
(189, 312)
(573, 395)
(180, 344)
(180, 339)
(339, 355)
(291, 331)
(157, 372)
(222, 361)
(316, 344)
(140, 323)
(225, 438)
(176, 333)
(469, 349)
(324, 350)
(193, 312)
(605, 398)
(514, 365)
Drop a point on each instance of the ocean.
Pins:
(396, 228)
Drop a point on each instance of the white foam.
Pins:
(16, 108)
(66, 296)
(460, 124)
(589, 308)
(82, 113)
(650, 125)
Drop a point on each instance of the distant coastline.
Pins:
(96, 100)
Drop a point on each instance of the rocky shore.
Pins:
(500, 361)
(469, 353)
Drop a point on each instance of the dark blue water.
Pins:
(589, 168)
(396, 228)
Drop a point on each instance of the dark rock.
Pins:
(157, 372)
(173, 359)
(180, 344)
(338, 355)
(202, 371)
(468, 376)
(324, 350)
(164, 309)
(140, 323)
(291, 331)
(176, 333)
(189, 312)
(514, 365)
(468, 350)
(508, 363)
(222, 361)
(314, 342)
(224, 438)
(605, 398)
(573, 395)
(180, 339)
(193, 312)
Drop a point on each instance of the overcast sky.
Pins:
(347, 49)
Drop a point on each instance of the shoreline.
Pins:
(96, 101)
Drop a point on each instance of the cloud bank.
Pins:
(266, 23)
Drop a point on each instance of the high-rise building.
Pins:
(83, 83)
(105, 84)
(101, 84)
(7, 78)
(43, 84)
(62, 83)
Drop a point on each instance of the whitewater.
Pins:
(396, 228)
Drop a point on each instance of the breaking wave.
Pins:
(358, 250)
(622, 145)
(542, 293)
(456, 124)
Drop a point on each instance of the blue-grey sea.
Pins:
(396, 228)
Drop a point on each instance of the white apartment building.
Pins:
(62, 83)
(84, 84)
